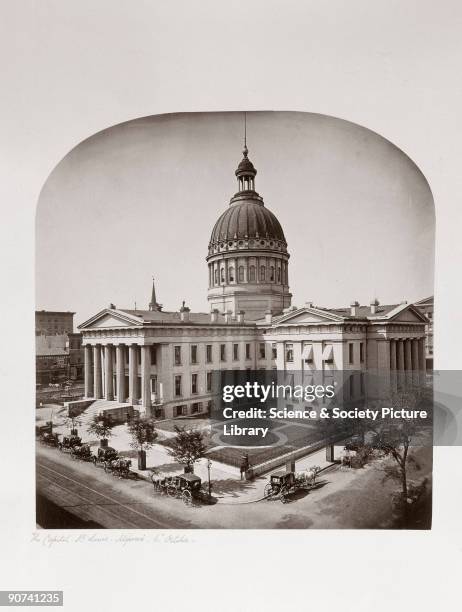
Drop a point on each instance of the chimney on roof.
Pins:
(184, 312)
(214, 315)
(112, 306)
(354, 306)
(268, 316)
(240, 316)
(375, 302)
(309, 304)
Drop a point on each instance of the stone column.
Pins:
(146, 376)
(408, 356)
(88, 371)
(422, 365)
(108, 372)
(392, 354)
(415, 355)
(132, 374)
(400, 356)
(121, 392)
(98, 385)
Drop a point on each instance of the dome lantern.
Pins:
(246, 173)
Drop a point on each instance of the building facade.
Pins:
(163, 362)
(426, 307)
(58, 350)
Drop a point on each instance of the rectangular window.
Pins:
(193, 353)
(181, 411)
(289, 353)
(361, 352)
(153, 355)
(350, 353)
(235, 352)
(159, 413)
(223, 352)
(196, 408)
(247, 351)
(209, 381)
(154, 384)
(262, 350)
(208, 353)
(274, 350)
(177, 355)
(178, 385)
(194, 383)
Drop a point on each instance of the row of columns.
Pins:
(97, 355)
(407, 354)
(266, 262)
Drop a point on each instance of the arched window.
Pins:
(279, 275)
(222, 277)
(272, 274)
(231, 274)
(241, 274)
(216, 276)
(262, 273)
(252, 273)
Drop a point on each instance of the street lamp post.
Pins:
(209, 465)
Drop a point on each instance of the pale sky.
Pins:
(141, 198)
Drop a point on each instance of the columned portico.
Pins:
(97, 378)
(88, 371)
(108, 372)
(121, 392)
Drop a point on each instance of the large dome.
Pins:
(248, 218)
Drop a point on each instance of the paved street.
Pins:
(92, 498)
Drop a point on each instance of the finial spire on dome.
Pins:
(246, 171)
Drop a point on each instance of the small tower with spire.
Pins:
(153, 304)
(246, 171)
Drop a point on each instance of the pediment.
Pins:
(110, 319)
(308, 316)
(409, 315)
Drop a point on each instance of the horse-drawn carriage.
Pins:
(112, 463)
(82, 452)
(69, 442)
(119, 467)
(104, 455)
(185, 486)
(49, 439)
(282, 484)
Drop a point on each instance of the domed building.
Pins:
(247, 256)
(161, 362)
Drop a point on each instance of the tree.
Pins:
(394, 437)
(143, 433)
(188, 446)
(100, 426)
(72, 422)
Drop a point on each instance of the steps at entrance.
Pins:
(100, 406)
